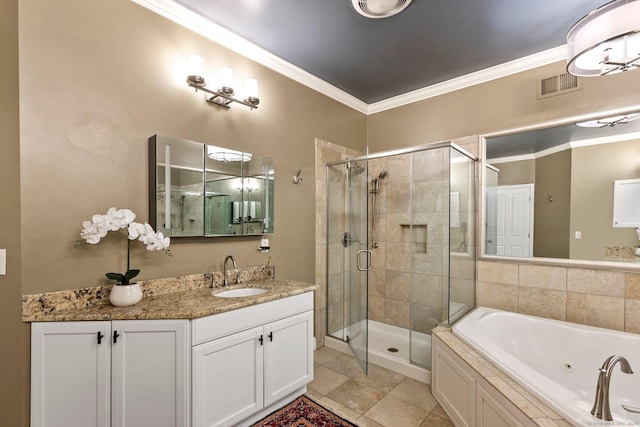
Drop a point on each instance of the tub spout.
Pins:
(601, 407)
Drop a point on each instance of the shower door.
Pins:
(356, 244)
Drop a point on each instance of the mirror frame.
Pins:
(558, 262)
(245, 175)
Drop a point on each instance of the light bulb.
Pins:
(225, 78)
(251, 87)
(195, 70)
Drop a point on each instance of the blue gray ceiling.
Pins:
(375, 59)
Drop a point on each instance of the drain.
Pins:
(392, 350)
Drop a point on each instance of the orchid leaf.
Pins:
(130, 274)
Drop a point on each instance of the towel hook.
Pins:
(296, 177)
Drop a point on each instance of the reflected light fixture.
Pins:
(606, 41)
(227, 155)
(609, 121)
(380, 8)
(224, 94)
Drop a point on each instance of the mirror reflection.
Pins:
(551, 192)
(205, 190)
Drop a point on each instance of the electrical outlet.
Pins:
(578, 234)
(3, 262)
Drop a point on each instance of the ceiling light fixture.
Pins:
(609, 121)
(380, 8)
(223, 95)
(227, 155)
(606, 41)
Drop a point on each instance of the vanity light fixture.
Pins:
(609, 121)
(224, 94)
(606, 41)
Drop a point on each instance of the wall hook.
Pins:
(296, 177)
(550, 198)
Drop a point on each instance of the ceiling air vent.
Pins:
(557, 85)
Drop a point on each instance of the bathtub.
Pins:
(557, 361)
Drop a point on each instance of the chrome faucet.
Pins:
(601, 407)
(233, 261)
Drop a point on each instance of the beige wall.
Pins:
(551, 232)
(498, 105)
(515, 173)
(94, 89)
(592, 175)
(14, 357)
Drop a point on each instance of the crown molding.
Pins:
(191, 20)
(212, 31)
(503, 70)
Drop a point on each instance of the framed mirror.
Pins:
(201, 190)
(548, 191)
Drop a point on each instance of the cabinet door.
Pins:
(453, 387)
(150, 373)
(490, 413)
(288, 355)
(70, 374)
(227, 378)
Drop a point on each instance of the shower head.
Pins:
(382, 175)
(354, 169)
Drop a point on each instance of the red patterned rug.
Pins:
(303, 412)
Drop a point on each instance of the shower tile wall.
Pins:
(389, 281)
(393, 297)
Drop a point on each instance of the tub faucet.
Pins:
(601, 408)
(224, 267)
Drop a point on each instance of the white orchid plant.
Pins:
(114, 220)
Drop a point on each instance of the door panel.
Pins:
(359, 257)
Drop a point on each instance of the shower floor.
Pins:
(383, 337)
(390, 346)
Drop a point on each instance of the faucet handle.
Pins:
(631, 409)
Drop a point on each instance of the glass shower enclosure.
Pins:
(401, 249)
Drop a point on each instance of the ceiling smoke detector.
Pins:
(380, 8)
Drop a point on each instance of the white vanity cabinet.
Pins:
(246, 362)
(123, 373)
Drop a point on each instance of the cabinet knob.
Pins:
(100, 336)
(270, 336)
(261, 339)
(115, 336)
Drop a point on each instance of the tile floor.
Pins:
(382, 398)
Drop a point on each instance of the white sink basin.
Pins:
(242, 292)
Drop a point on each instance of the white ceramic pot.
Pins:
(125, 295)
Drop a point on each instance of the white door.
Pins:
(510, 220)
(288, 356)
(150, 373)
(228, 379)
(70, 374)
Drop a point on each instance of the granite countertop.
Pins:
(185, 297)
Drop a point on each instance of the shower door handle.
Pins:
(368, 266)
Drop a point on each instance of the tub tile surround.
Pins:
(180, 297)
(602, 298)
(541, 414)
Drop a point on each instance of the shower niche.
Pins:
(410, 264)
(202, 190)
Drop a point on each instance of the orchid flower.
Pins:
(114, 220)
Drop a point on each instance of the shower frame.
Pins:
(386, 154)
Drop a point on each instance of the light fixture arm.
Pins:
(220, 97)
